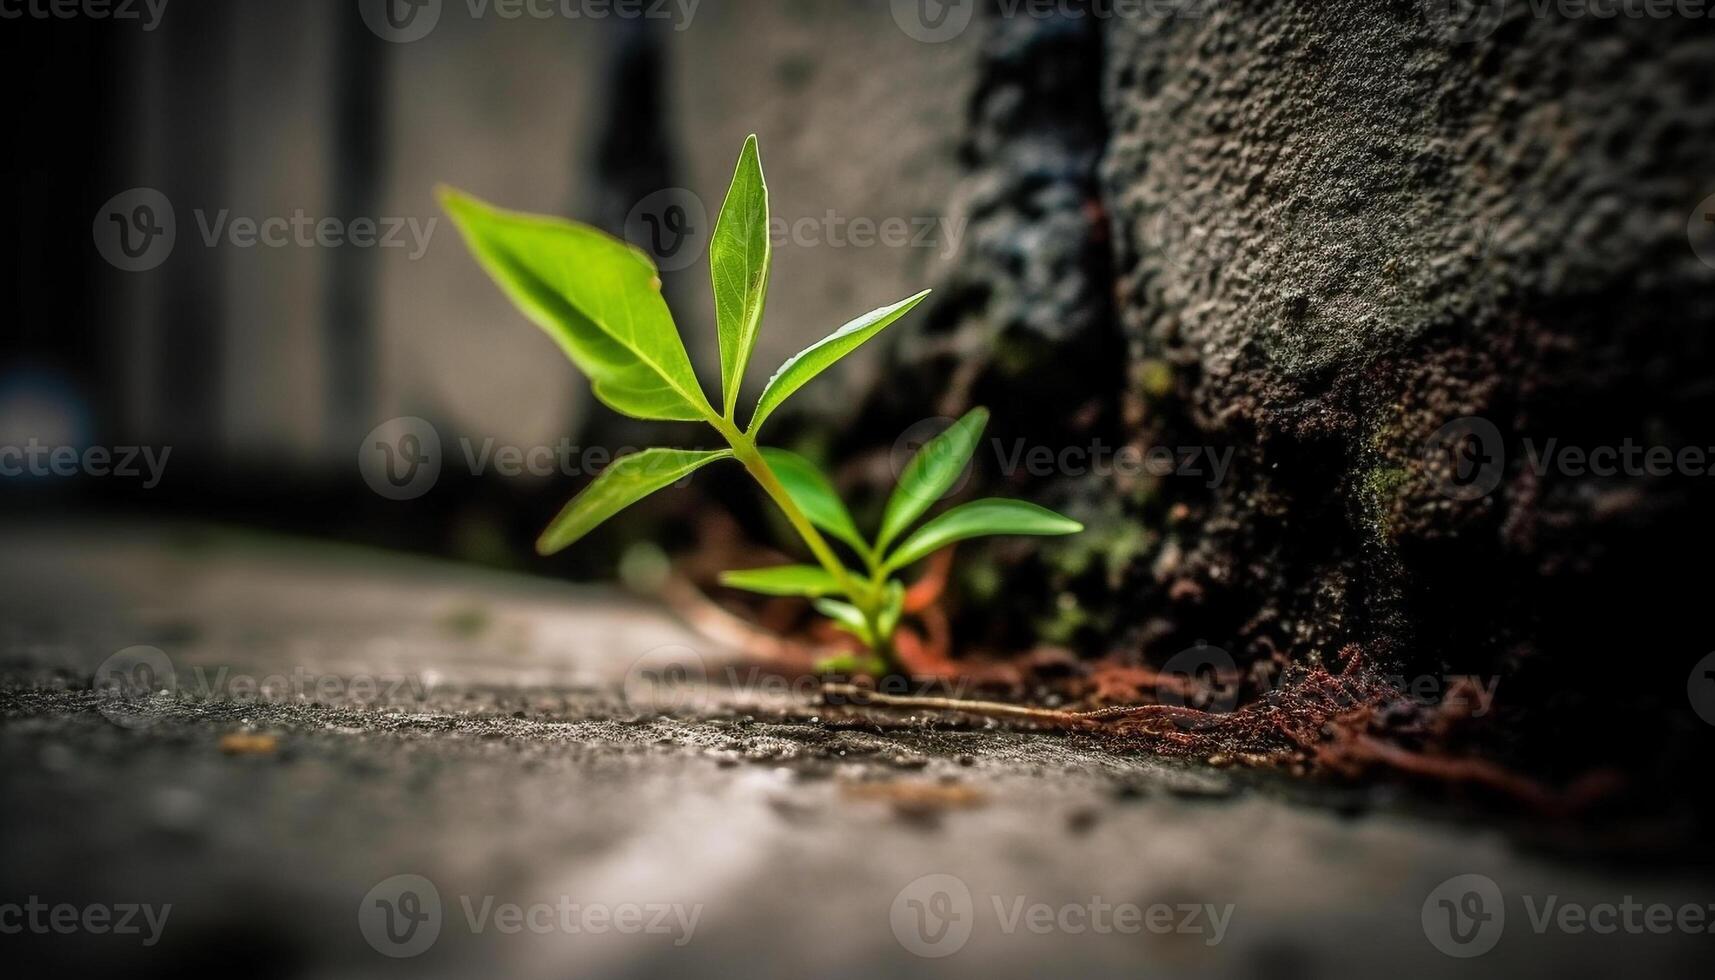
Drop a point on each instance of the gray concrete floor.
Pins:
(510, 742)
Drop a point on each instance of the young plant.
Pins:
(600, 299)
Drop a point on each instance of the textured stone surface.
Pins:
(514, 765)
(1341, 228)
(1310, 236)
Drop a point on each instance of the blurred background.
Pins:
(264, 364)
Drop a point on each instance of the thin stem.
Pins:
(863, 595)
(744, 449)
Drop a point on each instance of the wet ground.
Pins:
(357, 764)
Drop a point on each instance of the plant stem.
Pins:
(861, 594)
(744, 449)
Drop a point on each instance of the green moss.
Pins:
(1155, 378)
(1063, 624)
(1383, 486)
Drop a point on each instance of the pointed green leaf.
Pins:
(595, 295)
(625, 481)
(980, 518)
(739, 256)
(929, 474)
(847, 617)
(813, 360)
(804, 580)
(815, 496)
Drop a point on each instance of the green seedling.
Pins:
(600, 299)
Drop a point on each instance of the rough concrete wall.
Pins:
(1312, 235)
(1023, 324)
(1339, 226)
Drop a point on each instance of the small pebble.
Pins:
(248, 743)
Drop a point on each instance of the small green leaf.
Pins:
(739, 257)
(626, 481)
(892, 609)
(979, 518)
(814, 494)
(847, 664)
(813, 360)
(595, 295)
(847, 617)
(804, 580)
(927, 476)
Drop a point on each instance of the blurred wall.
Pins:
(255, 110)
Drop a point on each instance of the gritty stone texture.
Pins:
(1339, 226)
(1023, 324)
(1313, 235)
(516, 767)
